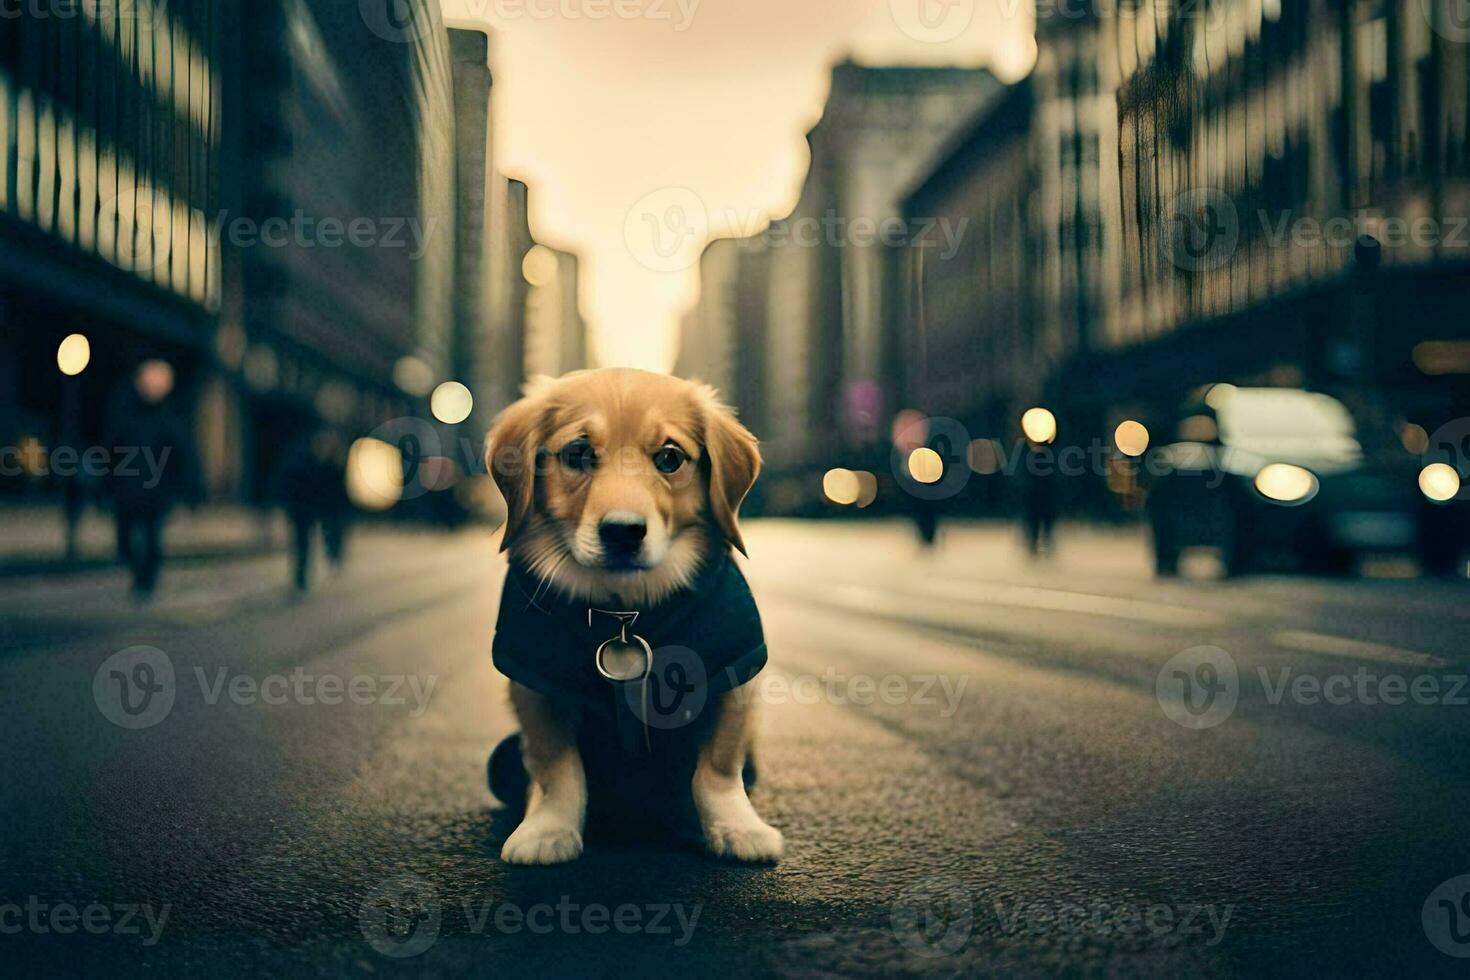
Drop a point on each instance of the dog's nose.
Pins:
(622, 535)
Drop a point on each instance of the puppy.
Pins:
(622, 491)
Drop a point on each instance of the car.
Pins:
(1261, 473)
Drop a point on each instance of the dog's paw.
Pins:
(542, 845)
(754, 841)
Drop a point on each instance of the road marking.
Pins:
(862, 598)
(1338, 646)
(1087, 603)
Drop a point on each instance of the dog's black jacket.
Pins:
(706, 639)
(544, 641)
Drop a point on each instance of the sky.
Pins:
(644, 126)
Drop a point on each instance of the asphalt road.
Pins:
(980, 764)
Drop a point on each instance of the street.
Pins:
(980, 764)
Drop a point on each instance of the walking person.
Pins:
(152, 467)
(926, 519)
(312, 488)
(1039, 506)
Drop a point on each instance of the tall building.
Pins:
(266, 197)
(110, 159)
(473, 351)
(555, 333)
(511, 242)
(710, 335)
(346, 137)
(973, 347)
(722, 338)
(814, 343)
(537, 325)
(879, 131)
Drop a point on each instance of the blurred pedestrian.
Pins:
(312, 488)
(152, 467)
(1039, 493)
(926, 519)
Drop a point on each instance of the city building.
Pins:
(473, 357)
(709, 338)
(110, 157)
(1298, 225)
(346, 164)
(879, 132)
(722, 338)
(511, 242)
(555, 333)
(973, 349)
(537, 324)
(272, 199)
(819, 291)
(1264, 195)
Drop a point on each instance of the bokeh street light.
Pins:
(451, 403)
(842, 486)
(374, 474)
(1039, 425)
(926, 466)
(1131, 438)
(74, 354)
(1439, 482)
(1414, 438)
(413, 376)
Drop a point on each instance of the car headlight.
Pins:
(1439, 482)
(1286, 484)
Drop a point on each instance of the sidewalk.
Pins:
(34, 538)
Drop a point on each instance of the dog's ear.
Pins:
(734, 463)
(510, 456)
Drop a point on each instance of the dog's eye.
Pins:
(668, 459)
(578, 455)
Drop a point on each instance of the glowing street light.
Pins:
(451, 403)
(926, 466)
(412, 375)
(1039, 425)
(842, 486)
(74, 354)
(374, 474)
(1439, 482)
(1131, 438)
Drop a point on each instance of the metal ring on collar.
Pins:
(624, 647)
